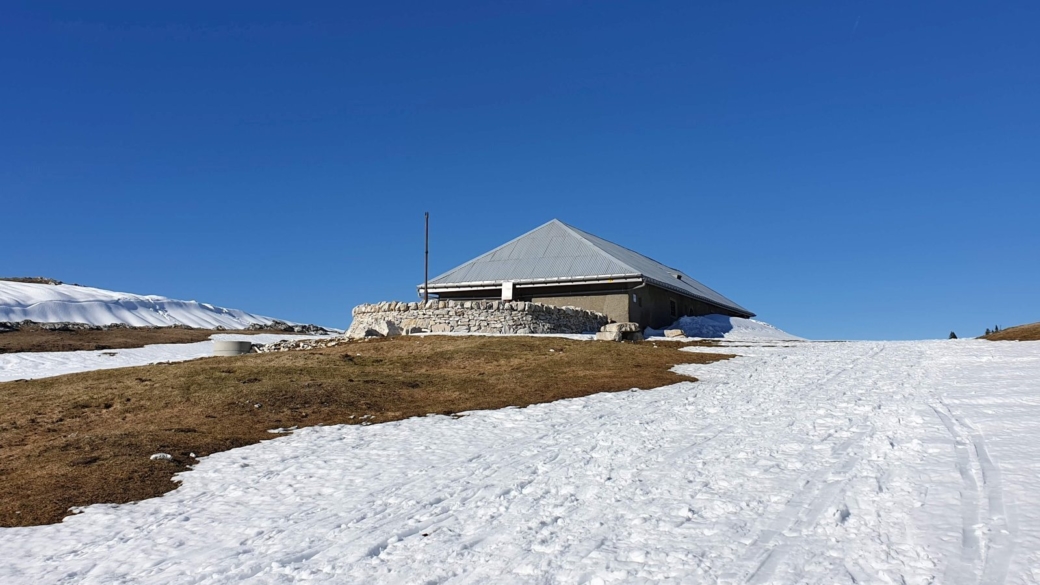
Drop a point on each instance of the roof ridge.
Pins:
(581, 236)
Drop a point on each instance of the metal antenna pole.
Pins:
(426, 263)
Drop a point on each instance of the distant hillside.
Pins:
(42, 301)
(1029, 332)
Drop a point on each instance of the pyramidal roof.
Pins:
(556, 251)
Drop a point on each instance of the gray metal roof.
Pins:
(556, 251)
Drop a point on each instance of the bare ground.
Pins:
(86, 438)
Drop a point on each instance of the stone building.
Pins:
(557, 264)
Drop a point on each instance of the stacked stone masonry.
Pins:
(445, 316)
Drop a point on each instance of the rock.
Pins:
(674, 333)
(622, 327)
(608, 336)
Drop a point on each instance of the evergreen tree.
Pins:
(988, 331)
(953, 335)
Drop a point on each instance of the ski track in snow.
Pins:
(860, 462)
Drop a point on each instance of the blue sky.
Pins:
(853, 170)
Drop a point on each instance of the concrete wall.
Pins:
(615, 306)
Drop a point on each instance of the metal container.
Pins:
(225, 348)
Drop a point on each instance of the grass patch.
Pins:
(86, 438)
(1029, 332)
(35, 339)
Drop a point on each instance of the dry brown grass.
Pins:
(34, 339)
(1029, 332)
(86, 438)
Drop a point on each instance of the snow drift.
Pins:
(724, 327)
(45, 303)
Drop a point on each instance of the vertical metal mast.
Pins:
(426, 262)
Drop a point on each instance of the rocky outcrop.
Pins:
(33, 280)
(297, 345)
(446, 316)
(277, 325)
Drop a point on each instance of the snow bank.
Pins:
(45, 303)
(723, 327)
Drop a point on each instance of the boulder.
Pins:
(622, 327)
(608, 336)
(383, 329)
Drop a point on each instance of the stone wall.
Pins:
(446, 316)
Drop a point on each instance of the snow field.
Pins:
(31, 365)
(865, 462)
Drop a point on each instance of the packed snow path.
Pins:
(797, 463)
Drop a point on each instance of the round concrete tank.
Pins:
(222, 347)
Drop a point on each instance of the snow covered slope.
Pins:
(826, 463)
(723, 327)
(45, 303)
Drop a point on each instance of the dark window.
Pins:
(671, 307)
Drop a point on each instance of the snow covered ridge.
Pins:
(46, 303)
(723, 327)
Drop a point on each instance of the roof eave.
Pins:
(571, 280)
(734, 308)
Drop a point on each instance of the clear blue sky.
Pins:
(863, 170)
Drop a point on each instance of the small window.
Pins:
(638, 301)
(671, 307)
